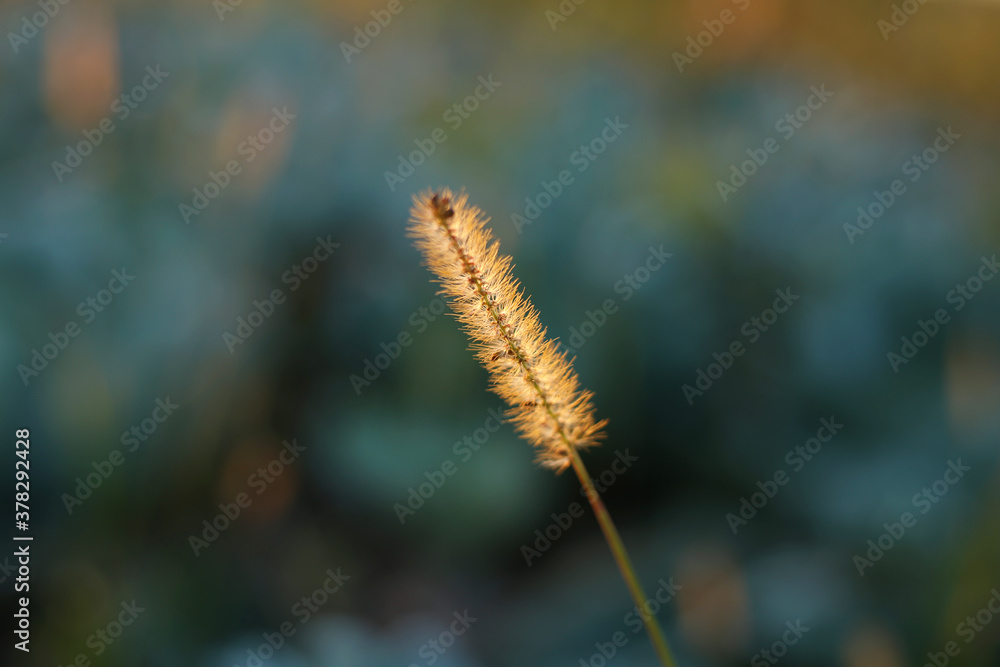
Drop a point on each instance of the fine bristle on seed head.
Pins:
(526, 368)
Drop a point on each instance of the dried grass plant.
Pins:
(526, 368)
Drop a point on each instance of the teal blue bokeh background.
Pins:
(347, 118)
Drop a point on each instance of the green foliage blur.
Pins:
(253, 418)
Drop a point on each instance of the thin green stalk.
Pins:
(624, 563)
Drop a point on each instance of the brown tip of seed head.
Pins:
(442, 206)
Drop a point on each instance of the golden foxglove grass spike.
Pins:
(526, 368)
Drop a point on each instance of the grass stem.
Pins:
(624, 562)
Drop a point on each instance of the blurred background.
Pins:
(257, 440)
